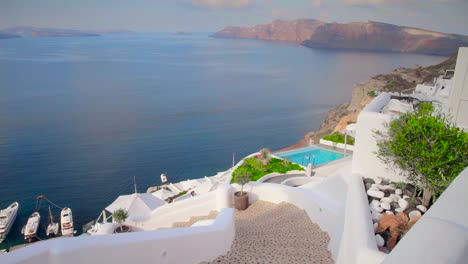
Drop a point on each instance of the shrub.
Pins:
(339, 138)
(275, 165)
(427, 147)
(372, 93)
(120, 215)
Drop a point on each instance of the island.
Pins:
(367, 36)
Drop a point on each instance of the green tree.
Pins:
(120, 215)
(242, 177)
(427, 147)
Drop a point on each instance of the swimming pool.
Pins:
(315, 156)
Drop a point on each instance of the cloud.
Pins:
(317, 3)
(279, 12)
(223, 4)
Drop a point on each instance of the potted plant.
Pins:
(120, 216)
(241, 199)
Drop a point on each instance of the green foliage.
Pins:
(243, 176)
(400, 185)
(372, 93)
(120, 215)
(257, 169)
(339, 138)
(429, 148)
(171, 199)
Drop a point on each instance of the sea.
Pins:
(82, 117)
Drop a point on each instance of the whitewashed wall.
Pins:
(179, 245)
(365, 161)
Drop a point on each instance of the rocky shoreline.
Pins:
(403, 80)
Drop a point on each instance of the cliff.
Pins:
(371, 36)
(402, 80)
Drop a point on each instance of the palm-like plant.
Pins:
(265, 155)
(120, 215)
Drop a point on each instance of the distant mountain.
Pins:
(371, 36)
(7, 36)
(111, 31)
(46, 32)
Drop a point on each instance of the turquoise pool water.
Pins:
(315, 156)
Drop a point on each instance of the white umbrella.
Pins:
(138, 205)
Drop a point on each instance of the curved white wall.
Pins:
(365, 162)
(179, 245)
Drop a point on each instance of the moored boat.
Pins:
(52, 228)
(66, 222)
(7, 218)
(31, 227)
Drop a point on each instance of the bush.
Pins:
(427, 147)
(372, 93)
(256, 169)
(339, 138)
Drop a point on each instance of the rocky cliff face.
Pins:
(373, 36)
(296, 31)
(399, 80)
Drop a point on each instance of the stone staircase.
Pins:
(194, 219)
(276, 233)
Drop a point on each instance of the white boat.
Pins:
(52, 228)
(66, 221)
(7, 218)
(30, 229)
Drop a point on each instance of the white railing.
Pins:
(179, 245)
(336, 145)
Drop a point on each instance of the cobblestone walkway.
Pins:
(276, 233)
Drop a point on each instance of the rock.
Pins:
(368, 185)
(386, 199)
(378, 180)
(375, 226)
(369, 180)
(389, 212)
(394, 197)
(398, 192)
(375, 194)
(387, 188)
(414, 214)
(376, 216)
(395, 205)
(422, 208)
(399, 210)
(385, 205)
(374, 203)
(403, 203)
(406, 197)
(377, 209)
(380, 241)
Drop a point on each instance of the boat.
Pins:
(30, 229)
(66, 221)
(7, 218)
(52, 228)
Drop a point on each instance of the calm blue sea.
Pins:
(79, 117)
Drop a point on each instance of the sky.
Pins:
(449, 16)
